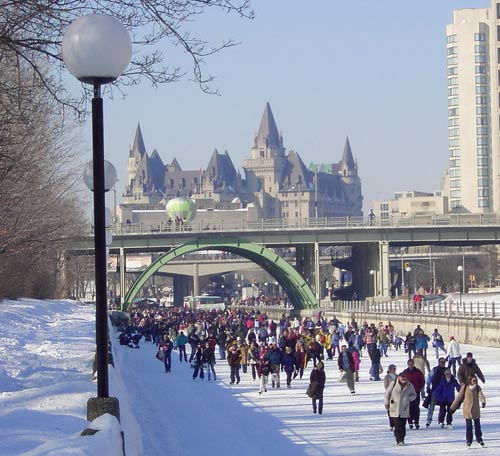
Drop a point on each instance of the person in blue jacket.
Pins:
(445, 395)
(180, 343)
(275, 357)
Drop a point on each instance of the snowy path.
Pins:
(180, 416)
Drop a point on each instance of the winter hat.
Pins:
(452, 337)
(469, 355)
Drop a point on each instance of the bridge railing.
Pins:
(306, 223)
(404, 307)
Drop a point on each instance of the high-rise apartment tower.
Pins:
(473, 53)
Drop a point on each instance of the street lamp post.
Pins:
(96, 49)
(408, 270)
(373, 274)
(460, 270)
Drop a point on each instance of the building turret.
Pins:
(347, 166)
(136, 154)
(268, 142)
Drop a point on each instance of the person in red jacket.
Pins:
(417, 379)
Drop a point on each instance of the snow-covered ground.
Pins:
(45, 380)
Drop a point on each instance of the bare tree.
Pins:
(31, 29)
(39, 205)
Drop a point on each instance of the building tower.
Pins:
(267, 165)
(473, 64)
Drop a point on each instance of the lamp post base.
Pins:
(97, 406)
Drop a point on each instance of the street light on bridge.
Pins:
(96, 49)
(373, 274)
(460, 270)
(408, 271)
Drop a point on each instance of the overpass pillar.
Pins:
(305, 264)
(196, 279)
(384, 273)
(123, 265)
(182, 285)
(364, 259)
(317, 284)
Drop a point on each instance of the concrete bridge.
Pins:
(258, 242)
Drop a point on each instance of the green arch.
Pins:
(297, 289)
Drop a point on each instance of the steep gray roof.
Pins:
(156, 171)
(138, 148)
(347, 158)
(221, 168)
(268, 132)
(296, 173)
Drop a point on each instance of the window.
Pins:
(452, 61)
(480, 69)
(479, 89)
(455, 194)
(483, 202)
(455, 163)
(479, 36)
(454, 152)
(482, 130)
(480, 48)
(452, 70)
(481, 100)
(453, 101)
(498, 11)
(482, 151)
(453, 143)
(455, 172)
(480, 58)
(451, 50)
(454, 184)
(452, 132)
(483, 182)
(498, 32)
(453, 91)
(482, 161)
(482, 110)
(482, 141)
(452, 112)
(384, 207)
(455, 204)
(481, 121)
(483, 192)
(451, 39)
(481, 172)
(480, 80)
(453, 122)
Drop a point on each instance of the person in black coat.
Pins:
(316, 387)
(234, 361)
(375, 356)
(468, 369)
(198, 362)
(166, 346)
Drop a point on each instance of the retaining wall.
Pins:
(467, 330)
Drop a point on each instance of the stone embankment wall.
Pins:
(467, 330)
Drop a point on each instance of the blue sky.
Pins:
(373, 70)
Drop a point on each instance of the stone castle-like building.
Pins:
(276, 184)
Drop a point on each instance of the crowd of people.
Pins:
(277, 352)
